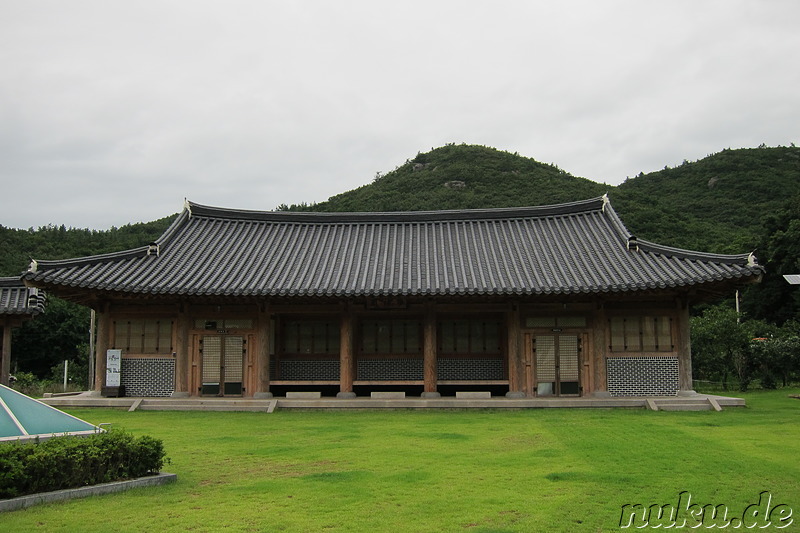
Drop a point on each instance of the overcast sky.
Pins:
(113, 112)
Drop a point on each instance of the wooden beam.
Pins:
(473, 382)
(470, 308)
(372, 382)
(306, 382)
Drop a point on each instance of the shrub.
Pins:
(768, 381)
(69, 462)
(30, 385)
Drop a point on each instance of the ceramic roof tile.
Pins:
(580, 247)
(17, 299)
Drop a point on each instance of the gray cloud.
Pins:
(112, 112)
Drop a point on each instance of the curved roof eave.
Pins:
(630, 264)
(728, 259)
(18, 299)
(141, 251)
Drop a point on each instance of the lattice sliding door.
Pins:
(223, 360)
(556, 365)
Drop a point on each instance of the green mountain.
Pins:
(18, 246)
(464, 177)
(728, 202)
(716, 204)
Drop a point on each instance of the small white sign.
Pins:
(113, 367)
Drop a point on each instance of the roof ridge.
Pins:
(652, 247)
(130, 253)
(77, 261)
(567, 208)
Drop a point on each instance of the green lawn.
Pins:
(475, 471)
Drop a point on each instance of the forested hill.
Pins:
(716, 204)
(464, 177)
(18, 246)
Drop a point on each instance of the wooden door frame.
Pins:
(584, 366)
(198, 362)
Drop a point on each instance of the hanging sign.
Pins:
(113, 367)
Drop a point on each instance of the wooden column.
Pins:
(516, 359)
(529, 385)
(429, 353)
(5, 353)
(181, 354)
(262, 353)
(586, 359)
(101, 345)
(599, 351)
(683, 345)
(346, 360)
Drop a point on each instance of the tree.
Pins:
(720, 346)
(58, 334)
(777, 355)
(774, 299)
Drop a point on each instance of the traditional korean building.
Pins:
(539, 301)
(18, 303)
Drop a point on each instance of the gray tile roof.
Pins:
(580, 247)
(17, 299)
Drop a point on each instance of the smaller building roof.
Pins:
(793, 279)
(17, 299)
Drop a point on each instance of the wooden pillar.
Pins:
(346, 359)
(429, 353)
(516, 359)
(262, 353)
(527, 346)
(181, 354)
(599, 351)
(5, 353)
(101, 345)
(683, 345)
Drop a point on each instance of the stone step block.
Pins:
(388, 395)
(474, 395)
(303, 395)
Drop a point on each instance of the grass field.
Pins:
(474, 471)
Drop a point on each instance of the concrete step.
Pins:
(204, 405)
(683, 405)
(260, 409)
(687, 407)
